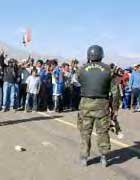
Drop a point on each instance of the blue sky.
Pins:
(67, 28)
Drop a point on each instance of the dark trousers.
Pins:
(17, 90)
(42, 97)
(136, 97)
(49, 99)
(22, 95)
(75, 98)
(58, 103)
(45, 97)
(1, 96)
(67, 98)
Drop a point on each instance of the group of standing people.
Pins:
(130, 85)
(36, 86)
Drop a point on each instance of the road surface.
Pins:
(52, 148)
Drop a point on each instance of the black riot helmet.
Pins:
(95, 53)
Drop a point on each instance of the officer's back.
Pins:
(95, 76)
(95, 79)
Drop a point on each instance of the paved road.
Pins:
(52, 148)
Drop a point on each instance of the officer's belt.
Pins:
(96, 97)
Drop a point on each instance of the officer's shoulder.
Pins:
(106, 66)
(83, 67)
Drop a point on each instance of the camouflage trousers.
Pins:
(94, 112)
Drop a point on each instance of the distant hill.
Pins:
(122, 60)
(21, 54)
(13, 52)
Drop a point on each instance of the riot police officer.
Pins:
(95, 80)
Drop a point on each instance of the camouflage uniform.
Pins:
(95, 79)
(115, 97)
(94, 112)
(115, 90)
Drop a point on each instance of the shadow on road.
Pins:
(41, 118)
(120, 156)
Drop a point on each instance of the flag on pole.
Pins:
(27, 37)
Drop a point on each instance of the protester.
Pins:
(48, 86)
(1, 79)
(10, 78)
(33, 87)
(67, 86)
(126, 98)
(24, 74)
(17, 85)
(75, 86)
(58, 86)
(42, 93)
(134, 85)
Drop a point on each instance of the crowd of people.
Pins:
(46, 85)
(130, 85)
(32, 86)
